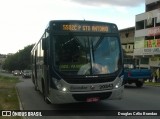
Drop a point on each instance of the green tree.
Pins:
(20, 60)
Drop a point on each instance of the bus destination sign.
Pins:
(85, 28)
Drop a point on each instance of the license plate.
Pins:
(93, 99)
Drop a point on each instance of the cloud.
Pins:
(126, 3)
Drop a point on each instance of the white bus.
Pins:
(78, 61)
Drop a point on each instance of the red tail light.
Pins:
(129, 74)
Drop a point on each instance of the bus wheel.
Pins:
(36, 88)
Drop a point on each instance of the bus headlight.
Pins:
(119, 84)
(64, 89)
(59, 85)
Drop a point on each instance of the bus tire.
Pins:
(44, 94)
(36, 88)
(139, 84)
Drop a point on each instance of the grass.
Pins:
(8, 95)
(152, 84)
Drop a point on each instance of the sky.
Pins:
(22, 22)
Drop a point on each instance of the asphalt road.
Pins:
(146, 98)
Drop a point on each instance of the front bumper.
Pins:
(61, 97)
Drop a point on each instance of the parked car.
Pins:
(16, 73)
(26, 74)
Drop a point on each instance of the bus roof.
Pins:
(78, 21)
(83, 26)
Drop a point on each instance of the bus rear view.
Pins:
(78, 61)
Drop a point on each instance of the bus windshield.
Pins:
(86, 55)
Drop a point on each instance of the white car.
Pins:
(26, 74)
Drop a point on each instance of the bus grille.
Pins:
(83, 97)
(89, 80)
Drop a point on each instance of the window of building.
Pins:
(140, 25)
(153, 6)
(144, 60)
(157, 20)
(129, 61)
(127, 34)
(129, 47)
(149, 37)
(149, 23)
(157, 37)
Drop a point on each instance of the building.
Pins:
(127, 41)
(147, 35)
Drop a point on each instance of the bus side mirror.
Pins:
(44, 44)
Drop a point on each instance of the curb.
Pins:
(20, 103)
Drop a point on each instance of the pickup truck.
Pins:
(137, 76)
